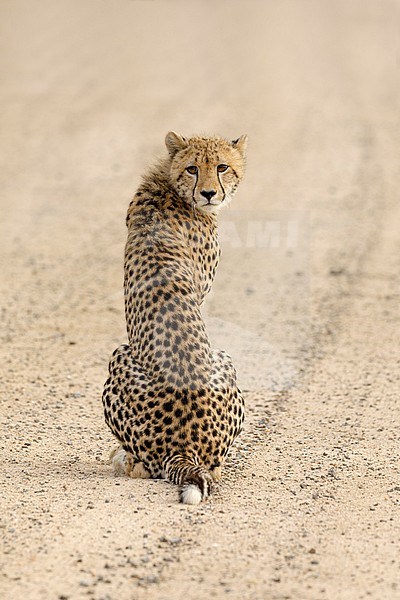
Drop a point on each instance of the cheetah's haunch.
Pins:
(170, 400)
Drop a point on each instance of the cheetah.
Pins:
(170, 400)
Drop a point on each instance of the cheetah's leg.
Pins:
(124, 463)
(231, 404)
(120, 416)
(216, 473)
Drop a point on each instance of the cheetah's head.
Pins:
(206, 171)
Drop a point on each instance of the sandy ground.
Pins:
(306, 297)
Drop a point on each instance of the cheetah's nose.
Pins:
(209, 194)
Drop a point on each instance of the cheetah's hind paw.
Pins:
(118, 460)
(123, 463)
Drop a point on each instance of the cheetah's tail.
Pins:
(195, 479)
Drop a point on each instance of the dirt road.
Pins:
(306, 298)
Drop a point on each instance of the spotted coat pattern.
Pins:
(170, 400)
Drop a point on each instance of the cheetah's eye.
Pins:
(192, 170)
(222, 168)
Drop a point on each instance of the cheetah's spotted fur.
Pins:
(170, 400)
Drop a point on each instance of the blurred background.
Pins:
(89, 90)
(305, 298)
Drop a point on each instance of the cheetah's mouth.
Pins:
(209, 206)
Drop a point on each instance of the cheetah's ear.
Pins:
(240, 144)
(175, 142)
